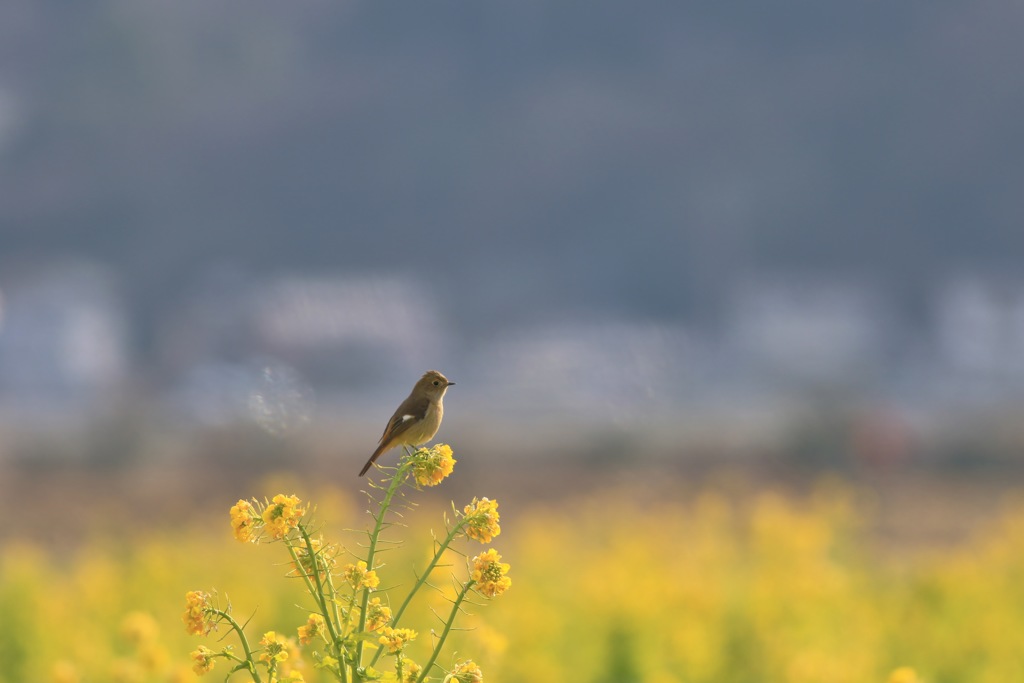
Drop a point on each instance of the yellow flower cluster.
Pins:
(197, 617)
(410, 671)
(465, 672)
(275, 648)
(813, 592)
(204, 660)
(282, 515)
(359, 577)
(377, 615)
(489, 574)
(432, 465)
(277, 518)
(245, 521)
(395, 639)
(315, 627)
(482, 520)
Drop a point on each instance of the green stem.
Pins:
(445, 632)
(334, 601)
(250, 663)
(316, 591)
(337, 617)
(320, 596)
(423, 578)
(396, 483)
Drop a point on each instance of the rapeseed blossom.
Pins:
(315, 627)
(197, 617)
(481, 519)
(377, 615)
(431, 465)
(489, 573)
(395, 639)
(275, 648)
(282, 515)
(245, 521)
(410, 671)
(204, 660)
(359, 577)
(465, 672)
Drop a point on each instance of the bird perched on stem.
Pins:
(417, 418)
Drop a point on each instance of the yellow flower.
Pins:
(395, 639)
(315, 627)
(197, 617)
(431, 465)
(482, 520)
(282, 515)
(323, 555)
(275, 647)
(377, 615)
(904, 674)
(489, 573)
(410, 671)
(204, 660)
(245, 521)
(465, 672)
(358, 577)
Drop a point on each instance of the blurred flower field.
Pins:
(605, 589)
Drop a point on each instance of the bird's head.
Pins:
(433, 384)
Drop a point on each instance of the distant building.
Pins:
(979, 327)
(806, 329)
(307, 312)
(296, 335)
(354, 328)
(600, 371)
(63, 339)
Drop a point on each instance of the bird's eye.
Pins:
(436, 382)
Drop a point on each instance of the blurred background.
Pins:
(661, 247)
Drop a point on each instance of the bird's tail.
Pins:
(376, 454)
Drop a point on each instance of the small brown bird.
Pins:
(417, 419)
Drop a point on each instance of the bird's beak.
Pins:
(451, 384)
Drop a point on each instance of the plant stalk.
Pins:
(445, 632)
(396, 483)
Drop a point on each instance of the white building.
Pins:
(807, 329)
(979, 327)
(63, 339)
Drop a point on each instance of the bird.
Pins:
(417, 418)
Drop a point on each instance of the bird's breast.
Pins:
(427, 427)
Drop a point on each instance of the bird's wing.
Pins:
(412, 410)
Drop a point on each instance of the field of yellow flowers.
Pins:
(607, 587)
